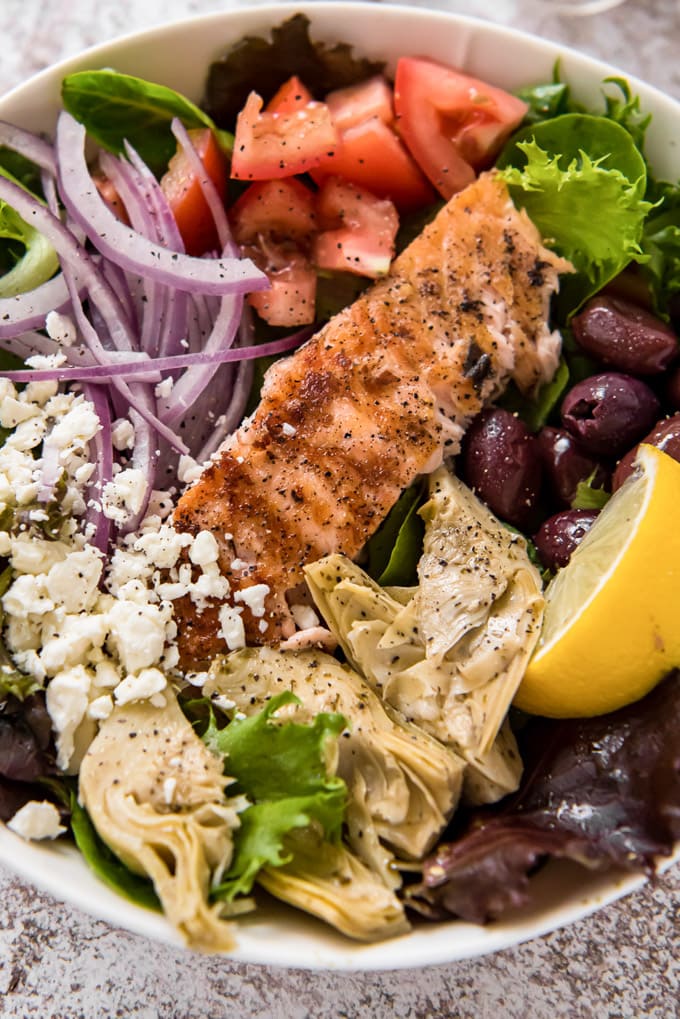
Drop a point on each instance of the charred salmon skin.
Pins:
(381, 394)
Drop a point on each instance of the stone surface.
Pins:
(622, 962)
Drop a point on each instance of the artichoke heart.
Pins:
(449, 658)
(332, 883)
(155, 795)
(403, 785)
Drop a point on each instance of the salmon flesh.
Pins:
(380, 395)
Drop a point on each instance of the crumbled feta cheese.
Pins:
(76, 428)
(140, 687)
(137, 633)
(253, 597)
(37, 820)
(73, 582)
(123, 498)
(27, 596)
(100, 708)
(305, 617)
(61, 329)
(122, 434)
(12, 412)
(29, 554)
(231, 628)
(46, 361)
(188, 470)
(5, 543)
(164, 388)
(239, 564)
(288, 430)
(204, 549)
(67, 701)
(164, 546)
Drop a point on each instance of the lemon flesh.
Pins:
(611, 628)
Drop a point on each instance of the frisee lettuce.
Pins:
(582, 181)
(283, 769)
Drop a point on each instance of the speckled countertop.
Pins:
(57, 963)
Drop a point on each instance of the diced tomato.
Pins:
(453, 124)
(291, 297)
(273, 145)
(372, 156)
(290, 98)
(370, 153)
(352, 105)
(282, 208)
(274, 222)
(110, 196)
(357, 229)
(183, 191)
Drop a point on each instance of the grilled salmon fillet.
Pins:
(377, 397)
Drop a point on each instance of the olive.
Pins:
(625, 336)
(609, 412)
(500, 461)
(559, 535)
(566, 463)
(665, 435)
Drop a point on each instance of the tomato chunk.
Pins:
(182, 188)
(274, 222)
(357, 229)
(292, 96)
(269, 145)
(371, 155)
(356, 103)
(453, 124)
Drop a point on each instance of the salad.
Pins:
(145, 294)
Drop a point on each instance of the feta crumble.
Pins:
(37, 820)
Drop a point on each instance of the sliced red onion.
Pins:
(140, 367)
(226, 423)
(29, 145)
(128, 248)
(102, 457)
(29, 310)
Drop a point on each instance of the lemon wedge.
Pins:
(611, 628)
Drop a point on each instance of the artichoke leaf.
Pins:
(402, 784)
(330, 882)
(495, 774)
(449, 658)
(155, 795)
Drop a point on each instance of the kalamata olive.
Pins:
(609, 412)
(566, 463)
(625, 336)
(500, 461)
(665, 434)
(559, 535)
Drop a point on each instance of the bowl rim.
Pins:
(45, 867)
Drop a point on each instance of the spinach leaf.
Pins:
(545, 101)
(115, 108)
(105, 864)
(263, 65)
(396, 547)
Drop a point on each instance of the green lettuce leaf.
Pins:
(582, 181)
(282, 767)
(115, 108)
(661, 243)
(589, 496)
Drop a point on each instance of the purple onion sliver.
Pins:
(232, 417)
(135, 368)
(144, 458)
(128, 248)
(103, 472)
(29, 145)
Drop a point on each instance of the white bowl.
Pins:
(178, 55)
